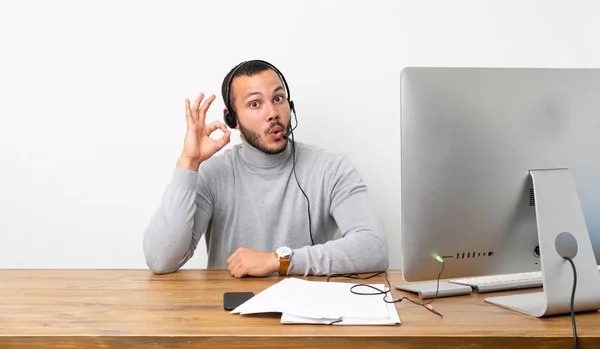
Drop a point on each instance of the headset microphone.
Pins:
(291, 129)
(289, 132)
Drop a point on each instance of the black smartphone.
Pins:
(232, 300)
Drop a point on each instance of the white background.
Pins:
(92, 96)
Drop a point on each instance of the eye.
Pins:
(278, 99)
(253, 104)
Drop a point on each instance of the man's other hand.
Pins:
(249, 262)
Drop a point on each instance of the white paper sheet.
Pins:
(302, 301)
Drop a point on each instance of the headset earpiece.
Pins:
(229, 119)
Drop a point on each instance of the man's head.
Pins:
(256, 98)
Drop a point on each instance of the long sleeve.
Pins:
(363, 245)
(177, 225)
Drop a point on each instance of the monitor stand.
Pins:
(562, 230)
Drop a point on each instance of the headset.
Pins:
(229, 115)
(231, 120)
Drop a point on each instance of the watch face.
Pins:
(283, 251)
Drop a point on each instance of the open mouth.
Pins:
(277, 132)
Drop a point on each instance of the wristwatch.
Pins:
(284, 254)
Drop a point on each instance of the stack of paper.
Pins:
(318, 302)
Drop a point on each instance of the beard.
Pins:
(254, 139)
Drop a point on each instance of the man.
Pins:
(268, 205)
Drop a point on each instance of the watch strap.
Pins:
(284, 264)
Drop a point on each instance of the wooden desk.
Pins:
(136, 309)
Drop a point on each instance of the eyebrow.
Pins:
(279, 88)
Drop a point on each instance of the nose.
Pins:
(272, 113)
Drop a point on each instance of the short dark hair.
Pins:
(248, 68)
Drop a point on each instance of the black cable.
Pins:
(297, 182)
(573, 302)
(354, 276)
(426, 305)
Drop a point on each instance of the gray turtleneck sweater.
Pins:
(246, 198)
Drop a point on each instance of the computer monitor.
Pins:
(496, 163)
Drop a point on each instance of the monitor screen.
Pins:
(470, 139)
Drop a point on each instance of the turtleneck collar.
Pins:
(258, 158)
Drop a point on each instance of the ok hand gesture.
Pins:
(198, 146)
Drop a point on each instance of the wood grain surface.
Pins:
(137, 309)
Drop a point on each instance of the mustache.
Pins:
(273, 125)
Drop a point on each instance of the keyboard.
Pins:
(504, 282)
